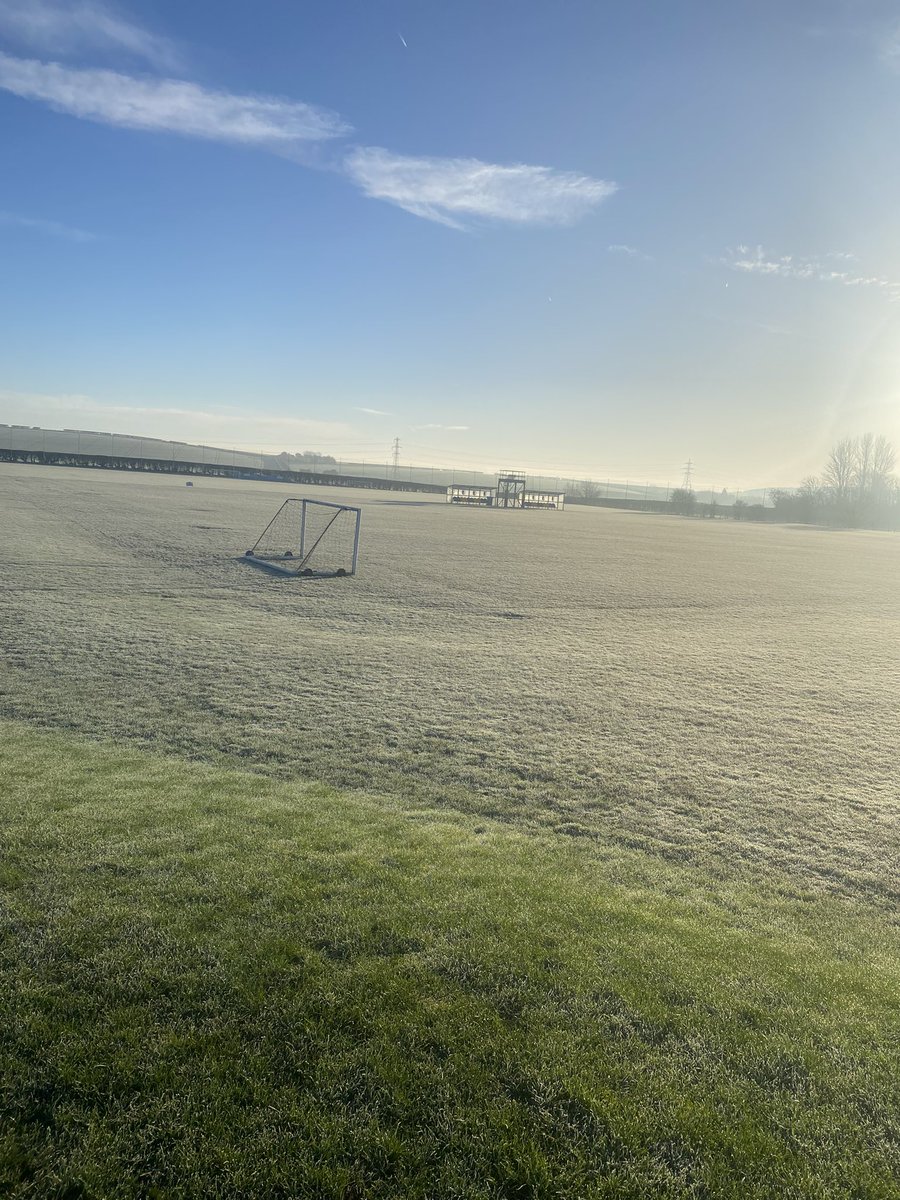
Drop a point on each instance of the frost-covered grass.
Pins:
(712, 693)
(556, 855)
(215, 983)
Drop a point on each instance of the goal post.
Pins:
(309, 538)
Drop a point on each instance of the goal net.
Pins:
(310, 538)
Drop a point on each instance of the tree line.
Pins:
(857, 490)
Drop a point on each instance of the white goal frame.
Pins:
(296, 566)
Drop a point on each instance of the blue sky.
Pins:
(580, 237)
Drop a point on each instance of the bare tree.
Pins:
(589, 490)
(811, 487)
(683, 501)
(884, 459)
(865, 453)
(840, 470)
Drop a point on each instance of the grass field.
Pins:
(555, 855)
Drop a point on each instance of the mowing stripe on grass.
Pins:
(216, 984)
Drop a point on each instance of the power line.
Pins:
(688, 473)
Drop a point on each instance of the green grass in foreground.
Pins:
(212, 984)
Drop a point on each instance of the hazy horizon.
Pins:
(15, 436)
(581, 241)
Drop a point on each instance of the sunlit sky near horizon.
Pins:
(574, 237)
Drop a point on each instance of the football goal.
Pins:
(309, 538)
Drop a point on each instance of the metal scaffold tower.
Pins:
(510, 490)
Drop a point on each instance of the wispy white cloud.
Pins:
(229, 427)
(170, 105)
(373, 412)
(448, 190)
(78, 26)
(889, 46)
(848, 24)
(449, 428)
(755, 261)
(53, 228)
(628, 251)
